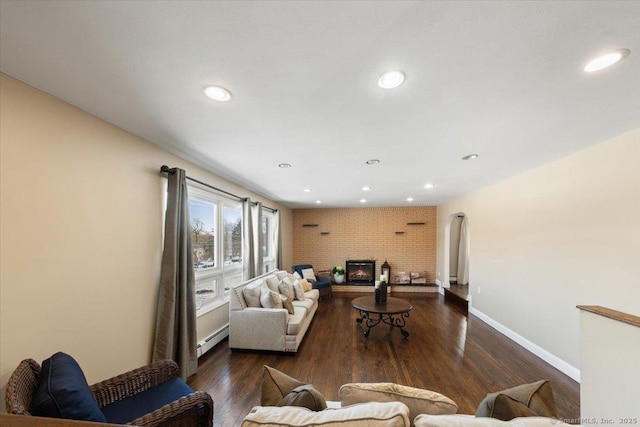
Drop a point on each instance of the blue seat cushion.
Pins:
(133, 407)
(63, 391)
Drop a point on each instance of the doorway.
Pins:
(456, 259)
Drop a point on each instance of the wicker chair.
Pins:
(195, 409)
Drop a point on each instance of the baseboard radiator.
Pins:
(209, 342)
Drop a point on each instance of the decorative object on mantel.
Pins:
(338, 274)
(381, 290)
(403, 278)
(418, 277)
(385, 270)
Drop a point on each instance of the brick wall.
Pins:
(367, 233)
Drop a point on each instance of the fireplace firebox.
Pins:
(361, 272)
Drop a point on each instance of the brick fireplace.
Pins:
(361, 272)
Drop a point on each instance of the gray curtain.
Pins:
(463, 253)
(175, 334)
(258, 243)
(278, 239)
(248, 245)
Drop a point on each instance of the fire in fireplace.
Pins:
(361, 272)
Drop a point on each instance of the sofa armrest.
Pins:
(133, 382)
(193, 410)
(258, 328)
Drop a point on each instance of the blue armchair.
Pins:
(321, 283)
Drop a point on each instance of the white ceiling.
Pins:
(500, 79)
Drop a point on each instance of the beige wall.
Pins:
(81, 235)
(564, 234)
(610, 360)
(367, 233)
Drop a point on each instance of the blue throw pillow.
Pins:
(63, 391)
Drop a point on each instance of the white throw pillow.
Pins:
(308, 274)
(270, 299)
(297, 289)
(252, 294)
(286, 288)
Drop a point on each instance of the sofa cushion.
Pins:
(417, 400)
(309, 274)
(125, 410)
(270, 299)
(63, 391)
(426, 420)
(281, 274)
(296, 320)
(538, 397)
(307, 303)
(372, 414)
(252, 293)
(305, 396)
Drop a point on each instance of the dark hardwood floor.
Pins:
(448, 352)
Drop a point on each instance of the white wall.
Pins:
(81, 236)
(564, 234)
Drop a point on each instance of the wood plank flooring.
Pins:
(448, 352)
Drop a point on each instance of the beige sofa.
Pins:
(258, 328)
(383, 404)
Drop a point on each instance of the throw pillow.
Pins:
(272, 283)
(286, 288)
(277, 385)
(298, 291)
(252, 294)
(538, 397)
(281, 274)
(306, 286)
(297, 275)
(417, 400)
(308, 274)
(286, 303)
(63, 391)
(305, 396)
(270, 299)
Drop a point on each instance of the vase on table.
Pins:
(338, 278)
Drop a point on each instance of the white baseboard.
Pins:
(213, 339)
(543, 354)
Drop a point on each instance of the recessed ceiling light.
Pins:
(366, 188)
(307, 190)
(470, 157)
(284, 165)
(373, 161)
(429, 186)
(363, 200)
(409, 199)
(391, 79)
(217, 93)
(318, 202)
(606, 60)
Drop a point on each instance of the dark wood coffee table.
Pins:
(393, 313)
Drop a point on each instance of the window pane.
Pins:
(206, 290)
(266, 240)
(203, 220)
(232, 243)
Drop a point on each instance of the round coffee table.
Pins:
(393, 313)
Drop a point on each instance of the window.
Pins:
(217, 256)
(268, 241)
(203, 233)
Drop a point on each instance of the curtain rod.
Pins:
(166, 169)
